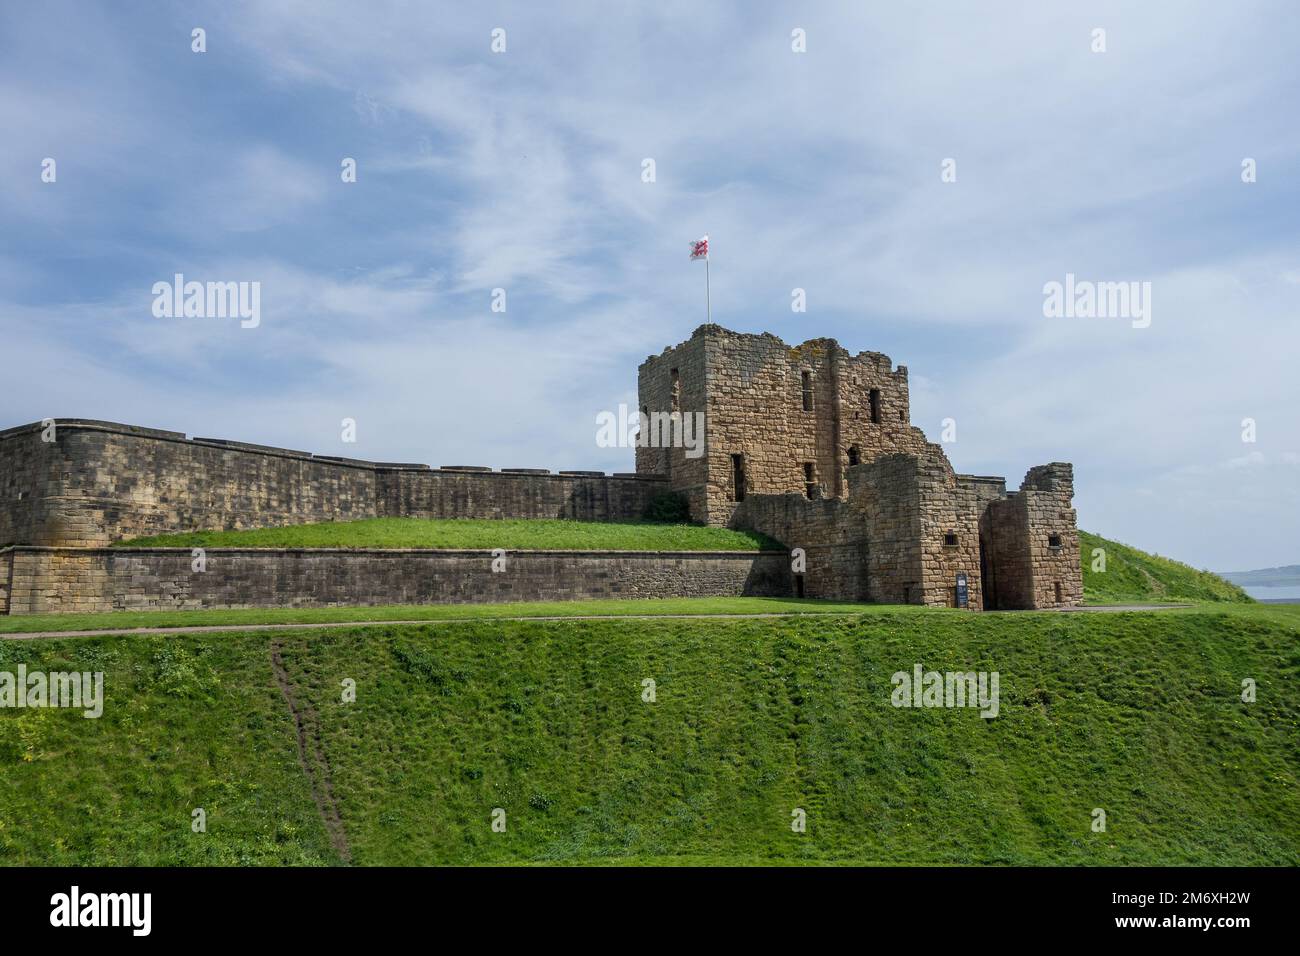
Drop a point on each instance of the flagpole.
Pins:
(708, 303)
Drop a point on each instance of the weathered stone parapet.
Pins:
(97, 483)
(73, 580)
(460, 493)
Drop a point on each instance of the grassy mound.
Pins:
(534, 534)
(1136, 714)
(1136, 576)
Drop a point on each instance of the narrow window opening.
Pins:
(1059, 599)
(737, 477)
(950, 539)
(809, 480)
(875, 406)
(1053, 540)
(855, 457)
(902, 416)
(807, 392)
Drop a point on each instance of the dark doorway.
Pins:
(798, 585)
(988, 587)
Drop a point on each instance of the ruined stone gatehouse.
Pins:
(810, 445)
(815, 447)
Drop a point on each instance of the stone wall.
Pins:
(675, 382)
(29, 480)
(71, 580)
(6, 566)
(518, 493)
(951, 507)
(831, 536)
(922, 522)
(887, 493)
(1018, 531)
(1047, 494)
(1005, 531)
(910, 526)
(100, 482)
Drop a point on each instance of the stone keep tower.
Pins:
(815, 447)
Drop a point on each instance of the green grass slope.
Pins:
(651, 607)
(1131, 575)
(1137, 714)
(185, 726)
(537, 534)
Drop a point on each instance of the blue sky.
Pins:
(818, 170)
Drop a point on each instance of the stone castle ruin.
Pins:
(815, 448)
(810, 445)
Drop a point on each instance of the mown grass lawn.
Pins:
(468, 533)
(1138, 714)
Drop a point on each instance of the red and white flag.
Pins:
(700, 249)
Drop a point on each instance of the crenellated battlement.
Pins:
(93, 483)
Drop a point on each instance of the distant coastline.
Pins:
(1284, 577)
